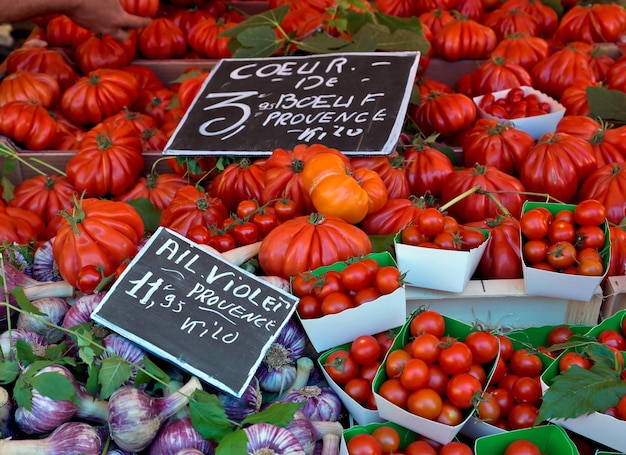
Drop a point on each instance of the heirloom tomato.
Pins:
(61, 31)
(464, 38)
(505, 21)
(607, 185)
(203, 38)
(594, 23)
(497, 74)
(497, 144)
(444, 113)
(393, 217)
(102, 93)
(161, 39)
(572, 66)
(26, 86)
(96, 232)
(15, 229)
(42, 60)
(545, 14)
(103, 51)
(426, 168)
(391, 169)
(146, 8)
(524, 49)
(240, 180)
(108, 161)
(44, 195)
(28, 123)
(617, 264)
(190, 207)
(477, 207)
(159, 189)
(189, 88)
(308, 242)
(502, 256)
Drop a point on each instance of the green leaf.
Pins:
(382, 243)
(55, 386)
(149, 214)
(24, 303)
(279, 414)
(93, 373)
(208, 417)
(322, 44)
(24, 352)
(556, 5)
(153, 369)
(114, 372)
(235, 442)
(9, 371)
(270, 18)
(607, 104)
(404, 40)
(257, 42)
(57, 352)
(577, 392)
(22, 394)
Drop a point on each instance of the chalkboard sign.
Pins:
(353, 102)
(196, 310)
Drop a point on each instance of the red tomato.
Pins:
(364, 444)
(462, 390)
(245, 233)
(561, 255)
(368, 372)
(222, 242)
(392, 390)
(285, 209)
(303, 283)
(365, 349)
(419, 448)
(455, 448)
(356, 276)
(430, 221)
(359, 389)
(470, 238)
(450, 414)
(365, 295)
(309, 307)
(415, 374)
(525, 363)
(388, 437)
(425, 403)
(590, 212)
(488, 408)
(573, 358)
(395, 361)
(559, 334)
(590, 267)
(388, 279)
(455, 358)
(341, 367)
(437, 378)
(561, 231)
(426, 347)
(590, 236)
(265, 221)
(613, 338)
(522, 415)
(527, 390)
(505, 400)
(484, 346)
(522, 447)
(534, 224)
(89, 277)
(385, 340)
(330, 282)
(336, 302)
(506, 347)
(534, 251)
(199, 234)
(427, 321)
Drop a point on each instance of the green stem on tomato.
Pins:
(11, 153)
(460, 197)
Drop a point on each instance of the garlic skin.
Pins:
(54, 310)
(265, 438)
(70, 438)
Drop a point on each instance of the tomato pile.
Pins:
(433, 229)
(434, 375)
(570, 241)
(515, 104)
(362, 280)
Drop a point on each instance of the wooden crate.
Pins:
(505, 304)
(614, 295)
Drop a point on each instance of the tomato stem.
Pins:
(460, 197)
(10, 153)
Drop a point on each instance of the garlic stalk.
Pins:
(70, 438)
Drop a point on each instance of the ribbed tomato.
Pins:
(395, 215)
(426, 168)
(193, 207)
(28, 124)
(607, 184)
(308, 242)
(504, 21)
(159, 189)
(507, 189)
(240, 180)
(108, 161)
(522, 48)
(592, 23)
(147, 8)
(24, 85)
(42, 60)
(464, 38)
(104, 51)
(569, 63)
(502, 256)
(203, 38)
(444, 113)
(61, 31)
(102, 93)
(497, 74)
(21, 226)
(391, 169)
(44, 195)
(162, 39)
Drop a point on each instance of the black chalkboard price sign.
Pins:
(192, 308)
(353, 102)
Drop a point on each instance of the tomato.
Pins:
(303, 284)
(425, 403)
(426, 168)
(534, 251)
(589, 236)
(162, 39)
(450, 414)
(246, 208)
(427, 347)
(455, 448)
(222, 242)
(392, 390)
(502, 256)
(444, 113)
(561, 255)
(590, 267)
(488, 408)
(427, 321)
(89, 278)
(309, 307)
(415, 374)
(413, 235)
(359, 389)
(199, 234)
(431, 221)
(395, 361)
(534, 224)
(420, 448)
(329, 282)
(559, 334)
(244, 232)
(341, 367)
(621, 408)
(388, 437)
(525, 363)
(483, 346)
(356, 276)
(570, 358)
(369, 371)
(364, 444)
(336, 302)
(522, 447)
(613, 338)
(365, 295)
(446, 240)
(522, 415)
(506, 347)
(469, 238)
(285, 209)
(365, 349)
(388, 279)
(527, 390)
(455, 358)
(462, 390)
(561, 230)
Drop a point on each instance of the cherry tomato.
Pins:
(336, 302)
(285, 209)
(303, 284)
(561, 231)
(573, 358)
(522, 415)
(415, 374)
(419, 448)
(534, 224)
(365, 349)
(505, 400)
(413, 235)
(483, 345)
(431, 221)
(385, 340)
(245, 233)
(488, 408)
(426, 347)
(455, 358)
(309, 307)
(561, 255)
(341, 367)
(590, 267)
(329, 282)
(222, 242)
(589, 212)
(246, 208)
(522, 447)
(589, 236)
(199, 234)
(393, 391)
(450, 224)
(395, 361)
(388, 437)
(365, 295)
(462, 390)
(425, 403)
(359, 389)
(88, 279)
(364, 444)
(621, 408)
(535, 251)
(265, 221)
(506, 347)
(368, 372)
(559, 334)
(455, 448)
(450, 414)
(356, 276)
(446, 240)
(588, 253)
(388, 278)
(613, 338)
(525, 363)
(470, 238)
(437, 378)
(527, 390)
(564, 215)
(427, 321)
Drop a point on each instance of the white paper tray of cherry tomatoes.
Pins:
(528, 109)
